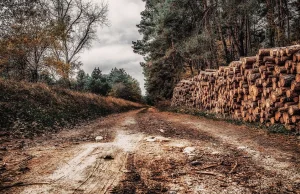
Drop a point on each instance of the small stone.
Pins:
(195, 163)
(127, 171)
(7, 179)
(3, 149)
(161, 130)
(158, 138)
(223, 185)
(24, 169)
(189, 150)
(3, 167)
(163, 139)
(99, 138)
(192, 157)
(241, 147)
(150, 139)
(108, 157)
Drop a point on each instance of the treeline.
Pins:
(183, 37)
(117, 83)
(42, 39)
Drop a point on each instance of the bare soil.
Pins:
(148, 151)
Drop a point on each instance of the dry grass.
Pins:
(27, 107)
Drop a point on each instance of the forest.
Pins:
(182, 37)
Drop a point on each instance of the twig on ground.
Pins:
(210, 166)
(209, 173)
(234, 167)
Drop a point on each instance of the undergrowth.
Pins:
(27, 108)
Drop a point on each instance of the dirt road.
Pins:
(147, 151)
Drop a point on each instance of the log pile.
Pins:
(264, 88)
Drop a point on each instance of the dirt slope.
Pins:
(147, 151)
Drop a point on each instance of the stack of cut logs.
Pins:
(264, 88)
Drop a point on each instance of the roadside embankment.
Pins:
(31, 108)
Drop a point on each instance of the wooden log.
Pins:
(290, 50)
(294, 109)
(288, 104)
(286, 79)
(211, 70)
(274, 51)
(277, 116)
(279, 69)
(281, 60)
(296, 57)
(264, 52)
(295, 86)
(286, 118)
(269, 59)
(295, 119)
(298, 67)
(247, 62)
(297, 78)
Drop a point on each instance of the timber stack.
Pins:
(264, 88)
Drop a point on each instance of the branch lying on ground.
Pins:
(234, 167)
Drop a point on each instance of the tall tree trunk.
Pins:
(227, 54)
(287, 11)
(271, 23)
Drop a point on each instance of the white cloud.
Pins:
(113, 47)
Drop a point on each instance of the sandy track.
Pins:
(147, 150)
(88, 171)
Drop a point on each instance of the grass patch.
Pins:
(277, 128)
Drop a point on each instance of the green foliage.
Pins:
(98, 83)
(81, 80)
(124, 86)
(117, 83)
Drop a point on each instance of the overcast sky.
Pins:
(113, 49)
